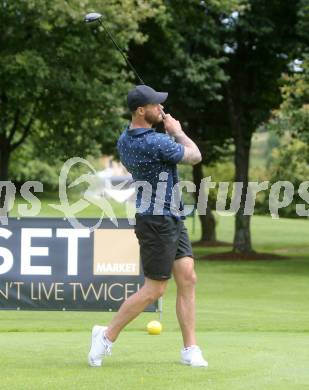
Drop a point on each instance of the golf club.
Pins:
(94, 17)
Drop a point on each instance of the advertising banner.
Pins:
(46, 264)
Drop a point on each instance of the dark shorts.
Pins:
(162, 239)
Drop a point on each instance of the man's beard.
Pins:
(152, 118)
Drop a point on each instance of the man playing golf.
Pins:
(165, 247)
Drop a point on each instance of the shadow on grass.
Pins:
(211, 244)
(243, 256)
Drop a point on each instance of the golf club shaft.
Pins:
(123, 55)
(121, 52)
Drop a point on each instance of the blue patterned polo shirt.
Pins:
(151, 158)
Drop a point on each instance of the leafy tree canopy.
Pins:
(293, 114)
(62, 80)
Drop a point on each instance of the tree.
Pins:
(237, 51)
(293, 115)
(260, 39)
(62, 81)
(183, 55)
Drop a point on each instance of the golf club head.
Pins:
(92, 17)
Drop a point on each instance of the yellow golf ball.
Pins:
(154, 327)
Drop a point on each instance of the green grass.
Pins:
(48, 199)
(252, 323)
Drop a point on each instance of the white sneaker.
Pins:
(99, 346)
(192, 356)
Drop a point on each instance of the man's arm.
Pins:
(192, 154)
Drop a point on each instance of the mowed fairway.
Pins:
(252, 322)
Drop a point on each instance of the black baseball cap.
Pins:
(142, 95)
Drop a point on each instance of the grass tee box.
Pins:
(49, 265)
(252, 322)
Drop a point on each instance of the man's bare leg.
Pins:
(185, 278)
(134, 305)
